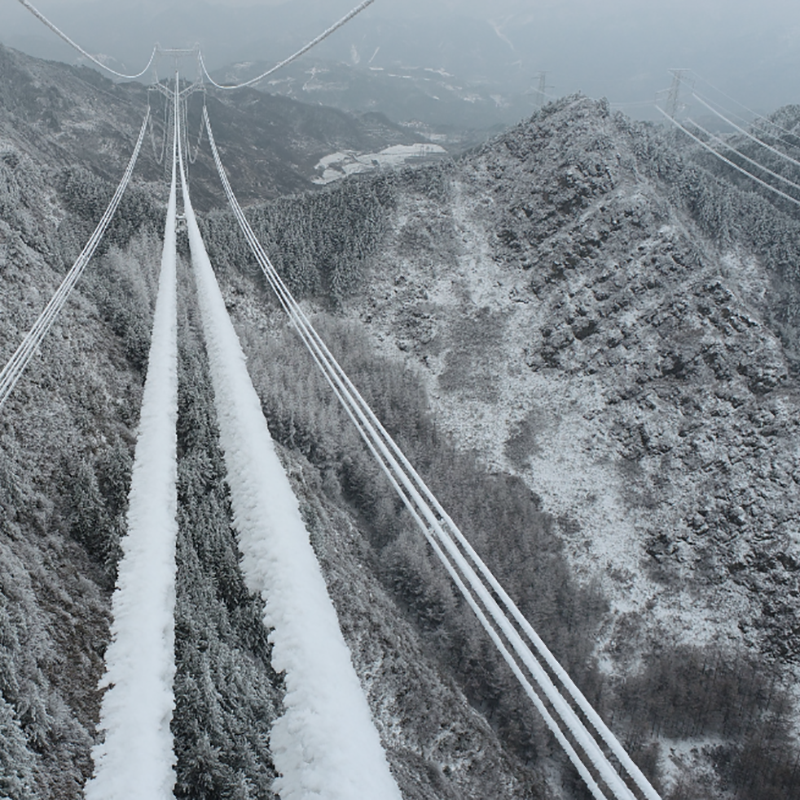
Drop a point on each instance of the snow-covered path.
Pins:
(136, 759)
(325, 745)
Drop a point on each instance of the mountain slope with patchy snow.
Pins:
(582, 319)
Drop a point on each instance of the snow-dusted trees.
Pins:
(226, 693)
(320, 242)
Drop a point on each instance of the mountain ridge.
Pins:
(578, 320)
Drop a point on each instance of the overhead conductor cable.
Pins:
(16, 365)
(324, 35)
(324, 744)
(42, 18)
(413, 488)
(135, 758)
(750, 111)
(730, 163)
(741, 155)
(747, 133)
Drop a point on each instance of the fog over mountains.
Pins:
(619, 50)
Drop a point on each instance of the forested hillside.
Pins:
(74, 117)
(608, 325)
(584, 339)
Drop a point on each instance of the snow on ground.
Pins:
(325, 744)
(136, 758)
(687, 757)
(335, 166)
(570, 470)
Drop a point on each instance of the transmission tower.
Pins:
(540, 93)
(673, 101)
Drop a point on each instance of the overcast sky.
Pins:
(620, 49)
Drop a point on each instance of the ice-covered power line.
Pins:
(754, 125)
(324, 35)
(754, 122)
(741, 155)
(16, 365)
(135, 760)
(461, 561)
(324, 744)
(746, 133)
(42, 18)
(750, 111)
(730, 163)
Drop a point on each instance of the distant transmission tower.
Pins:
(673, 101)
(540, 93)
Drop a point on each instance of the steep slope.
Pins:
(597, 337)
(63, 115)
(617, 358)
(595, 314)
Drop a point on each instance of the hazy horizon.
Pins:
(618, 50)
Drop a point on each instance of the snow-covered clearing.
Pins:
(338, 165)
(136, 758)
(325, 745)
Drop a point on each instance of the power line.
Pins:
(325, 735)
(747, 133)
(19, 361)
(191, 159)
(632, 103)
(752, 123)
(42, 18)
(324, 35)
(137, 746)
(742, 105)
(752, 161)
(727, 160)
(159, 157)
(455, 552)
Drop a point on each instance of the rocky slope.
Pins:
(578, 324)
(593, 312)
(589, 336)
